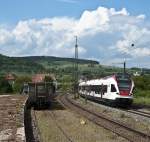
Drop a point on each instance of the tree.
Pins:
(66, 83)
(49, 78)
(5, 87)
(20, 82)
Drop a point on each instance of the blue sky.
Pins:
(15, 10)
(106, 29)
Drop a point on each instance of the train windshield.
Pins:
(124, 82)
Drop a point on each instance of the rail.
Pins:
(109, 124)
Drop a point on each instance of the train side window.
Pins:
(98, 89)
(104, 88)
(113, 88)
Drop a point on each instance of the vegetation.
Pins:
(36, 64)
(5, 87)
(20, 80)
(66, 83)
(142, 89)
(63, 69)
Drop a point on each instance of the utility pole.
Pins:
(76, 69)
(124, 63)
(124, 67)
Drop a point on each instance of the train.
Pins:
(41, 91)
(116, 89)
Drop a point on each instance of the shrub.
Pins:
(19, 83)
(5, 87)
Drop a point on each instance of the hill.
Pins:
(36, 64)
(57, 65)
(15, 65)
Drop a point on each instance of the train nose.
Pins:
(124, 93)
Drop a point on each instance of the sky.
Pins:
(106, 29)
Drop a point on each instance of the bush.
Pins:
(66, 83)
(49, 78)
(142, 82)
(19, 83)
(142, 93)
(142, 86)
(5, 87)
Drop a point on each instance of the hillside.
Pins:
(36, 64)
(57, 65)
(10, 64)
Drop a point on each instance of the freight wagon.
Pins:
(41, 92)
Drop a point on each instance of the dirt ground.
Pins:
(11, 118)
(62, 125)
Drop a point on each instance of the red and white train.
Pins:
(116, 88)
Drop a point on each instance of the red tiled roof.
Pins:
(38, 78)
(41, 77)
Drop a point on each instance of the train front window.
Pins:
(124, 81)
(124, 84)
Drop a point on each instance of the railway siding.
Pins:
(12, 118)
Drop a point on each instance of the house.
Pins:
(136, 74)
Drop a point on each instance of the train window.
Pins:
(113, 88)
(104, 88)
(98, 89)
(93, 88)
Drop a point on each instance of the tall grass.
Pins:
(142, 97)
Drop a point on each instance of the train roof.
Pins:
(98, 81)
(106, 79)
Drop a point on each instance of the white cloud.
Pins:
(121, 12)
(104, 34)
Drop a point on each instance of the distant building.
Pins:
(10, 78)
(137, 74)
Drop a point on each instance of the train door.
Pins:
(112, 92)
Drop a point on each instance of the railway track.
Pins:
(138, 112)
(99, 119)
(52, 115)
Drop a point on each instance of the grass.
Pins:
(70, 123)
(142, 100)
(142, 97)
